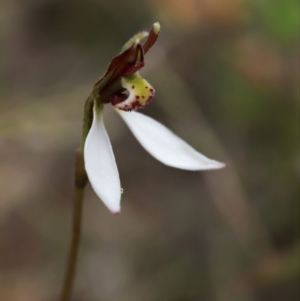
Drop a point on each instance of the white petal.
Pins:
(164, 145)
(100, 164)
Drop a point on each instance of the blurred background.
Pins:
(226, 74)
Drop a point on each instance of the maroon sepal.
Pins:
(126, 63)
(150, 41)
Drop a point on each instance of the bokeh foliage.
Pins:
(226, 74)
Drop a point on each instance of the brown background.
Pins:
(226, 74)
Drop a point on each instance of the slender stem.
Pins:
(80, 182)
(72, 259)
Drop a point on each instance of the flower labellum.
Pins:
(140, 93)
(124, 88)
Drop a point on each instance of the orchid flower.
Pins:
(124, 88)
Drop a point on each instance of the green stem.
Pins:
(87, 119)
(72, 259)
(79, 185)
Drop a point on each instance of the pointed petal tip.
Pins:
(116, 213)
(224, 165)
(221, 164)
(114, 209)
(217, 165)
